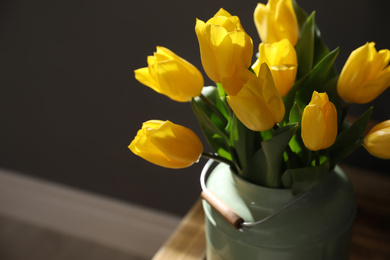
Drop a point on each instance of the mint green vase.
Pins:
(316, 227)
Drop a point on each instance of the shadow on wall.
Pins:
(69, 103)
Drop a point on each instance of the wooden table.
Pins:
(371, 229)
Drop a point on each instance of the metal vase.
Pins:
(316, 227)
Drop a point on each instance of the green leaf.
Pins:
(305, 179)
(298, 147)
(265, 135)
(244, 140)
(305, 47)
(349, 139)
(320, 48)
(331, 89)
(325, 68)
(215, 108)
(211, 128)
(317, 78)
(300, 14)
(310, 47)
(295, 114)
(265, 167)
(325, 65)
(289, 99)
(221, 91)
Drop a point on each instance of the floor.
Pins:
(21, 241)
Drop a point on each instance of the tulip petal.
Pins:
(144, 148)
(250, 112)
(222, 12)
(378, 127)
(365, 75)
(208, 57)
(258, 105)
(313, 127)
(171, 75)
(143, 76)
(371, 89)
(224, 45)
(282, 61)
(319, 122)
(149, 152)
(377, 142)
(286, 21)
(224, 51)
(177, 142)
(284, 78)
(264, 19)
(167, 144)
(223, 22)
(330, 115)
(379, 63)
(165, 52)
(278, 53)
(271, 95)
(182, 83)
(276, 21)
(232, 85)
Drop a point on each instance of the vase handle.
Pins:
(228, 213)
(223, 209)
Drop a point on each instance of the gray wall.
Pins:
(69, 104)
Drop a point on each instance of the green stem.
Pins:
(291, 157)
(221, 91)
(222, 96)
(317, 158)
(213, 108)
(217, 158)
(360, 141)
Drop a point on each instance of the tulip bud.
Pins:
(281, 58)
(276, 21)
(319, 123)
(377, 141)
(224, 45)
(258, 105)
(365, 75)
(171, 75)
(167, 144)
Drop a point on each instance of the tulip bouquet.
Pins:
(279, 122)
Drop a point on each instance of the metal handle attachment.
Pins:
(226, 212)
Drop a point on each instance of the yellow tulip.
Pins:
(258, 105)
(224, 45)
(365, 75)
(282, 61)
(319, 123)
(377, 141)
(167, 144)
(171, 75)
(276, 21)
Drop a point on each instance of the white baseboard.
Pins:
(121, 226)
